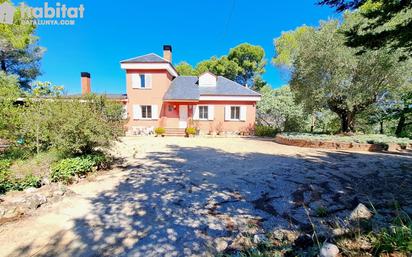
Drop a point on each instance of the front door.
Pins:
(182, 116)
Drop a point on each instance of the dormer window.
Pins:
(207, 79)
(142, 81)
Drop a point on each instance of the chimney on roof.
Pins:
(85, 81)
(167, 52)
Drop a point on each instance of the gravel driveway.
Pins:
(175, 196)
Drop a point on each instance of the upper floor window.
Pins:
(235, 112)
(141, 80)
(203, 112)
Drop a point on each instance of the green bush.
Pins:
(160, 131)
(66, 169)
(191, 131)
(265, 131)
(28, 181)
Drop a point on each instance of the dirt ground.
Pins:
(175, 196)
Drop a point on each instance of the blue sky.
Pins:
(115, 30)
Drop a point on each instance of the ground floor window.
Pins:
(203, 112)
(146, 111)
(235, 112)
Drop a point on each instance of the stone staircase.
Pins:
(175, 132)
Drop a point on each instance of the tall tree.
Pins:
(19, 53)
(327, 73)
(385, 23)
(185, 69)
(251, 60)
(244, 64)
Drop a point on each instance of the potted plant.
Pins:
(190, 132)
(160, 131)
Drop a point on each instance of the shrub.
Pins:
(160, 131)
(28, 181)
(265, 131)
(191, 131)
(66, 169)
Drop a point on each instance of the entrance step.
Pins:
(175, 132)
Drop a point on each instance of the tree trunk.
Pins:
(381, 127)
(347, 121)
(312, 125)
(401, 125)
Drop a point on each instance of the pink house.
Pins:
(158, 97)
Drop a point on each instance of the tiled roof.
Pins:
(227, 87)
(187, 88)
(147, 58)
(183, 88)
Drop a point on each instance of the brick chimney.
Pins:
(167, 52)
(85, 80)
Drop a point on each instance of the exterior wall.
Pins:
(161, 80)
(218, 124)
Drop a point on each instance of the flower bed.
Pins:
(373, 143)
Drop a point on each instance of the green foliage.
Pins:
(191, 131)
(20, 54)
(381, 24)
(160, 131)
(370, 138)
(66, 169)
(28, 181)
(337, 77)
(265, 131)
(279, 110)
(185, 69)
(243, 64)
(321, 211)
(396, 238)
(72, 126)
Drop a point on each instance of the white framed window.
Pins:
(235, 112)
(203, 112)
(146, 111)
(142, 81)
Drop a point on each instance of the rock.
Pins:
(30, 190)
(360, 212)
(45, 181)
(259, 238)
(34, 201)
(221, 244)
(283, 234)
(329, 250)
(241, 243)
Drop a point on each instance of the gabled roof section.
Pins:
(147, 58)
(227, 87)
(183, 88)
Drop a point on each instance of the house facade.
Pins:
(158, 97)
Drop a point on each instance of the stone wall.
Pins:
(335, 145)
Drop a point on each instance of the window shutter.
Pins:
(227, 112)
(148, 80)
(137, 112)
(243, 112)
(155, 114)
(196, 112)
(211, 112)
(135, 80)
(124, 115)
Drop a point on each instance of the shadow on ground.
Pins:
(175, 203)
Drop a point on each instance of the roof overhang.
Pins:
(181, 100)
(150, 66)
(229, 98)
